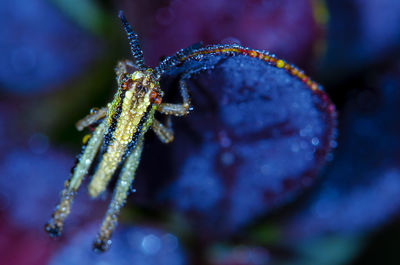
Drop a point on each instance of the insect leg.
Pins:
(94, 116)
(55, 225)
(164, 133)
(121, 192)
(177, 109)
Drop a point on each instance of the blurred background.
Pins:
(57, 62)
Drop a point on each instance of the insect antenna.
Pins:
(172, 61)
(134, 44)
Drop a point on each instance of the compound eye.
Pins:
(153, 95)
(124, 82)
(124, 86)
(157, 100)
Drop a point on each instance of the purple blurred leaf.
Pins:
(361, 189)
(256, 138)
(31, 184)
(284, 27)
(361, 33)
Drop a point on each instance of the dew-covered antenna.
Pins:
(172, 61)
(134, 44)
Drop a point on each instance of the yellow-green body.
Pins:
(128, 118)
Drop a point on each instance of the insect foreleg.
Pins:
(121, 191)
(94, 116)
(177, 109)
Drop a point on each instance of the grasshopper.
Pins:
(119, 135)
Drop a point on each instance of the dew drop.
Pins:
(315, 141)
(151, 244)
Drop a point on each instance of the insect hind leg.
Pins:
(110, 221)
(55, 225)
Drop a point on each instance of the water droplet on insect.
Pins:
(94, 110)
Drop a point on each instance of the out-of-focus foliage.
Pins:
(139, 245)
(251, 122)
(361, 186)
(41, 49)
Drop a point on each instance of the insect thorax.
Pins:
(128, 117)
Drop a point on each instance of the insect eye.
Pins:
(124, 86)
(153, 95)
(157, 100)
(125, 81)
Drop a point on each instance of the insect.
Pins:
(119, 129)
(118, 135)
